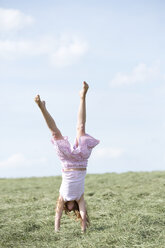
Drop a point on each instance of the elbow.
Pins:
(57, 218)
(83, 216)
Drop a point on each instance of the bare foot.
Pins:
(84, 89)
(39, 102)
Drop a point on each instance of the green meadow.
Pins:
(126, 210)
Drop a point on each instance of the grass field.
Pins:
(126, 210)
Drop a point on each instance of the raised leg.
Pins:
(49, 120)
(82, 112)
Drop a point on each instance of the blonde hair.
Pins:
(75, 210)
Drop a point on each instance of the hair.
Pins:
(75, 210)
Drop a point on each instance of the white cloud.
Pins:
(18, 160)
(60, 51)
(12, 50)
(13, 19)
(109, 152)
(140, 73)
(69, 51)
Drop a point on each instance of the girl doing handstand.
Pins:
(74, 162)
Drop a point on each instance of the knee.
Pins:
(81, 127)
(56, 134)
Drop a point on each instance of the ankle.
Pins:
(83, 97)
(42, 106)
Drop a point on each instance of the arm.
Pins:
(59, 210)
(82, 209)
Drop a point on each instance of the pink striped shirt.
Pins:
(75, 156)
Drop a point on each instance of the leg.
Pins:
(49, 120)
(82, 112)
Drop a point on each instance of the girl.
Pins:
(74, 162)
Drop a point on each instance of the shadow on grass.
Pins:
(99, 228)
(31, 227)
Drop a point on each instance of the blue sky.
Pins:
(49, 48)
